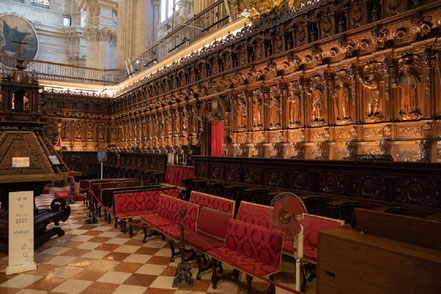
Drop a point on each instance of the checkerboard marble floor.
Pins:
(97, 258)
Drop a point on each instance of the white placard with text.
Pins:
(21, 232)
(20, 162)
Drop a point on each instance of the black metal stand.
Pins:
(183, 276)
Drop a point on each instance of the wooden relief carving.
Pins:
(274, 107)
(372, 80)
(295, 103)
(342, 96)
(241, 111)
(411, 87)
(317, 98)
(258, 100)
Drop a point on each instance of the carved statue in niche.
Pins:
(326, 25)
(258, 98)
(409, 80)
(259, 48)
(89, 133)
(241, 109)
(176, 122)
(78, 131)
(184, 121)
(242, 53)
(66, 129)
(316, 93)
(295, 104)
(275, 107)
(370, 81)
(101, 132)
(342, 98)
(278, 41)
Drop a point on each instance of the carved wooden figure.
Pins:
(342, 98)
(274, 107)
(317, 96)
(258, 99)
(295, 104)
(409, 81)
(370, 81)
(241, 111)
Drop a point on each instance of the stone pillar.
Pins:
(136, 20)
(100, 33)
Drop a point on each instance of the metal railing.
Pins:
(62, 72)
(204, 23)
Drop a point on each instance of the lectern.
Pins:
(28, 160)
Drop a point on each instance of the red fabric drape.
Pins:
(217, 138)
(175, 174)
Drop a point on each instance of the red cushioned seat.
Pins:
(202, 242)
(167, 218)
(213, 202)
(242, 262)
(155, 220)
(250, 248)
(172, 231)
(312, 224)
(213, 222)
(255, 214)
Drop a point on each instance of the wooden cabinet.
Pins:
(352, 262)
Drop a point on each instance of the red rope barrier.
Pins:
(199, 241)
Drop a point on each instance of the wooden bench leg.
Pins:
(214, 278)
(154, 233)
(130, 228)
(116, 223)
(249, 283)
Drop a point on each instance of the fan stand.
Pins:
(298, 255)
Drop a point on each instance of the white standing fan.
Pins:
(288, 209)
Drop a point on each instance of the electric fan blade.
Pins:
(293, 228)
(293, 205)
(275, 214)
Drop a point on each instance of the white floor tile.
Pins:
(124, 289)
(72, 286)
(163, 282)
(55, 250)
(20, 281)
(95, 254)
(118, 241)
(138, 258)
(67, 272)
(114, 277)
(151, 269)
(88, 245)
(127, 249)
(60, 260)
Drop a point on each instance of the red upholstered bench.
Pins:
(211, 201)
(312, 224)
(138, 203)
(167, 219)
(255, 214)
(252, 249)
(210, 233)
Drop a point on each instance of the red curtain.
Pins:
(217, 138)
(175, 174)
